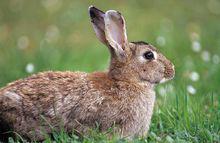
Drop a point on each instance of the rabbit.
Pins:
(121, 98)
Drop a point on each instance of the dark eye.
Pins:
(149, 55)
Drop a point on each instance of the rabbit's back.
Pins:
(43, 89)
(28, 104)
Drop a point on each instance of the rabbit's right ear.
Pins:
(97, 19)
(115, 32)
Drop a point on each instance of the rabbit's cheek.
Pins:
(158, 76)
(154, 76)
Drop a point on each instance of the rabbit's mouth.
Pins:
(164, 80)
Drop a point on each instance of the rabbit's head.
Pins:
(134, 61)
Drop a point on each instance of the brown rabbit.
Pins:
(123, 97)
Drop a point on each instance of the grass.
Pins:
(58, 36)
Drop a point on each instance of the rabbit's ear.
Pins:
(115, 31)
(97, 19)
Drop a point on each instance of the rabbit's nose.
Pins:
(169, 71)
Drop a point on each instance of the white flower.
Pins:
(170, 88)
(23, 42)
(191, 89)
(161, 41)
(29, 68)
(216, 59)
(52, 33)
(205, 56)
(194, 76)
(162, 91)
(196, 46)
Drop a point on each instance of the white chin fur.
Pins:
(164, 80)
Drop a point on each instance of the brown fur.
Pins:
(122, 98)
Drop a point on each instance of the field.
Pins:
(57, 35)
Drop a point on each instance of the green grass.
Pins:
(179, 116)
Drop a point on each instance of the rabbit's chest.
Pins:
(138, 117)
(131, 115)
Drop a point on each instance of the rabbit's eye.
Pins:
(149, 55)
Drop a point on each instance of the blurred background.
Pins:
(57, 35)
(40, 35)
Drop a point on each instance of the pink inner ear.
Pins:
(115, 27)
(116, 32)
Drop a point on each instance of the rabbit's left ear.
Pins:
(115, 31)
(97, 19)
